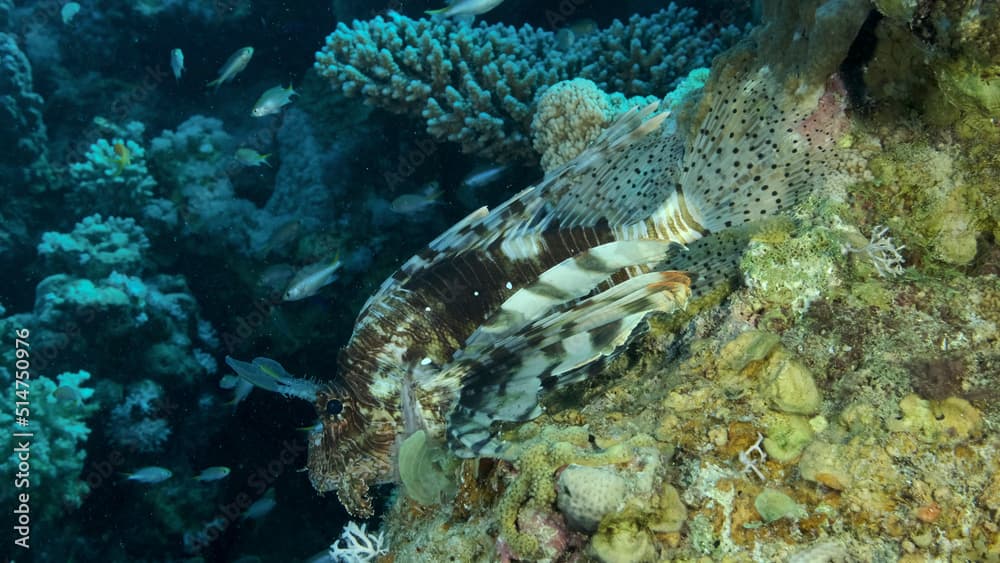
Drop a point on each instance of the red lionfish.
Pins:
(541, 291)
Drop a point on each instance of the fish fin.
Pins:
(757, 152)
(502, 382)
(715, 259)
(588, 189)
(564, 285)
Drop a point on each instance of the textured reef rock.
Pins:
(477, 85)
(23, 140)
(24, 164)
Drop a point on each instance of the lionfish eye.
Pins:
(334, 407)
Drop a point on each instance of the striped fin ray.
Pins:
(621, 178)
(502, 382)
(565, 283)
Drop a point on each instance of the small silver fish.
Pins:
(250, 157)
(151, 474)
(483, 176)
(282, 235)
(466, 8)
(68, 395)
(241, 391)
(409, 204)
(177, 63)
(235, 65)
(311, 279)
(271, 376)
(212, 474)
(228, 381)
(271, 101)
(262, 507)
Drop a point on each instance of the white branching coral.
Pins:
(883, 252)
(749, 463)
(360, 546)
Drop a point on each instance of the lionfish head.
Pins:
(352, 450)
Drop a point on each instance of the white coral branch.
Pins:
(883, 252)
(359, 545)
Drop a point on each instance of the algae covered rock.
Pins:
(672, 513)
(588, 494)
(787, 436)
(826, 464)
(623, 542)
(746, 349)
(950, 421)
(773, 505)
(789, 385)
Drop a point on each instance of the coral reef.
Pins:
(24, 145)
(59, 412)
(836, 407)
(572, 114)
(113, 179)
(137, 423)
(96, 247)
(477, 85)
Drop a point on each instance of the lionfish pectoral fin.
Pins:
(503, 382)
(713, 261)
(562, 286)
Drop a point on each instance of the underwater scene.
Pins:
(500, 280)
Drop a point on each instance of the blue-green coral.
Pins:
(112, 180)
(477, 85)
(97, 247)
(58, 423)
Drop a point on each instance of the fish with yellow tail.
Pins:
(468, 336)
(308, 281)
(250, 157)
(123, 156)
(236, 63)
(271, 101)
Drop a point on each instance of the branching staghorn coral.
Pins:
(478, 85)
